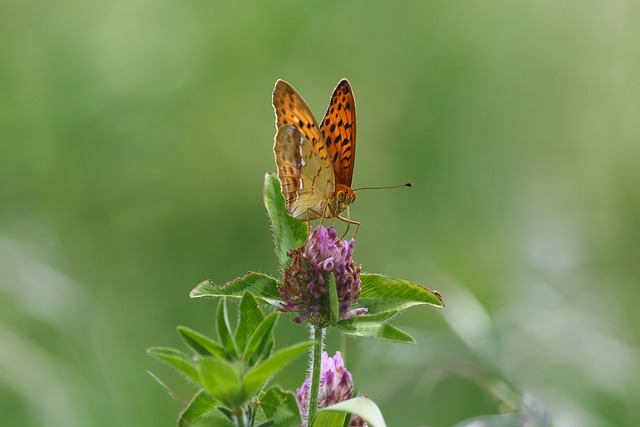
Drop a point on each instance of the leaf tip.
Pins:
(195, 292)
(439, 296)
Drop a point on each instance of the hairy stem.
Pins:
(318, 336)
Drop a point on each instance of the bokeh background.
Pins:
(134, 136)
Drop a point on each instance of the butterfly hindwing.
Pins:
(338, 129)
(306, 180)
(291, 109)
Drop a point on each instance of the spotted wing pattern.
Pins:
(291, 109)
(338, 129)
(307, 183)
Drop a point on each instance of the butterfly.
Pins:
(315, 163)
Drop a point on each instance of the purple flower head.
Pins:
(336, 385)
(305, 286)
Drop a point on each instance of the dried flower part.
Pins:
(336, 385)
(305, 286)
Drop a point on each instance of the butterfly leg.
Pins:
(349, 221)
(320, 215)
(308, 223)
(325, 214)
(329, 213)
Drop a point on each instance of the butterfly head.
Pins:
(344, 196)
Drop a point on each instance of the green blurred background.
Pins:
(134, 136)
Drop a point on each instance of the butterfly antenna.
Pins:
(406, 184)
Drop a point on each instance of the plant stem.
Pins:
(318, 336)
(343, 347)
(241, 420)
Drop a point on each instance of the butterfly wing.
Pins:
(338, 130)
(291, 109)
(306, 181)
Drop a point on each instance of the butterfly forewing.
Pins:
(338, 129)
(291, 109)
(306, 181)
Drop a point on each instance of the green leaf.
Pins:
(178, 360)
(202, 411)
(281, 407)
(165, 387)
(502, 420)
(222, 380)
(258, 342)
(334, 305)
(288, 232)
(267, 351)
(257, 376)
(224, 331)
(375, 325)
(330, 419)
(359, 406)
(260, 285)
(379, 293)
(201, 344)
(250, 317)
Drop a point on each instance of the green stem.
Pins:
(318, 336)
(241, 419)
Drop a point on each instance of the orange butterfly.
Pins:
(315, 163)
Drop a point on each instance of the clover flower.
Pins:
(305, 285)
(336, 385)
